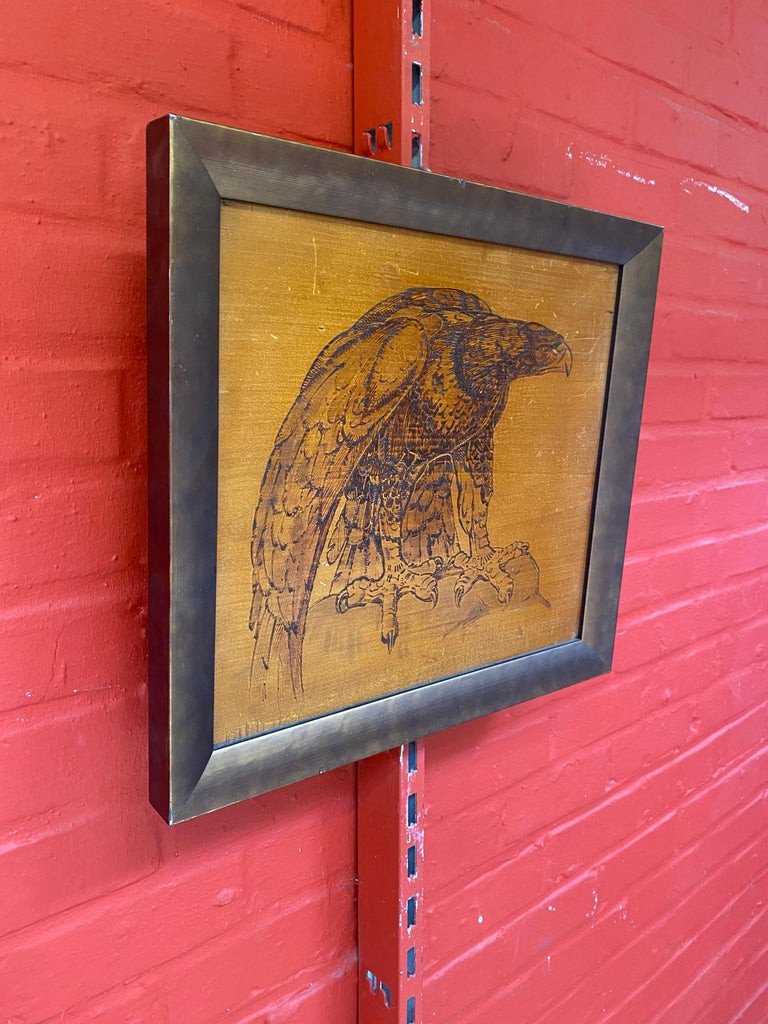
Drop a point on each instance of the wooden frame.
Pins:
(194, 167)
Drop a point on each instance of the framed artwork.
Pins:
(393, 420)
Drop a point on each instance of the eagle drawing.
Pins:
(387, 448)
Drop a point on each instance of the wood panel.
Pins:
(291, 282)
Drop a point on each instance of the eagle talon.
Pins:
(397, 581)
(515, 550)
(490, 566)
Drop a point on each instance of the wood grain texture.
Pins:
(290, 282)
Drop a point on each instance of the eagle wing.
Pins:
(415, 302)
(354, 386)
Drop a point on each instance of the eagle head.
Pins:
(536, 349)
(493, 351)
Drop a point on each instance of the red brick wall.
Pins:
(597, 855)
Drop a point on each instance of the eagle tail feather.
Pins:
(276, 657)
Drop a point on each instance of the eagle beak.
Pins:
(561, 358)
(567, 360)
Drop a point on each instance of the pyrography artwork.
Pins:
(388, 448)
(405, 486)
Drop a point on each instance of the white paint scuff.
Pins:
(592, 914)
(603, 160)
(739, 203)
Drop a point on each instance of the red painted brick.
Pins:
(707, 205)
(720, 78)
(700, 334)
(709, 19)
(185, 907)
(124, 119)
(682, 454)
(161, 50)
(538, 157)
(741, 154)
(597, 711)
(319, 841)
(673, 396)
(650, 579)
(754, 1011)
(110, 931)
(564, 19)
(532, 808)
(738, 396)
(43, 152)
(617, 37)
(453, 989)
(692, 272)
(483, 148)
(527, 753)
(95, 852)
(99, 285)
(512, 59)
(301, 941)
(704, 989)
(593, 996)
(734, 506)
(86, 756)
(320, 998)
(631, 916)
(55, 172)
(576, 90)
(539, 870)
(641, 641)
(572, 909)
(490, 37)
(749, 35)
(617, 180)
(708, 809)
(623, 40)
(750, 446)
(748, 976)
(262, 68)
(72, 531)
(128, 1003)
(51, 651)
(669, 935)
(658, 520)
(61, 413)
(672, 128)
(748, 648)
(319, 17)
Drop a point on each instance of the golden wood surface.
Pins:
(290, 282)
